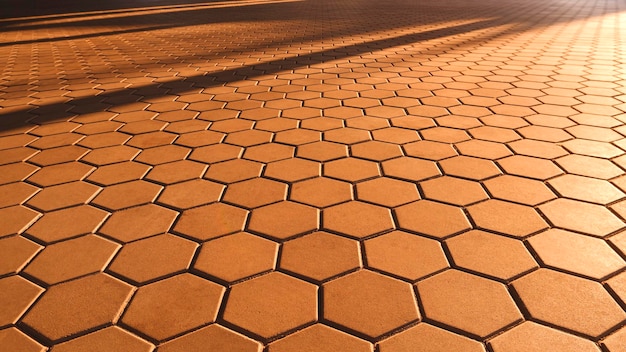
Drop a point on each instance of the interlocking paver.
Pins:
(418, 138)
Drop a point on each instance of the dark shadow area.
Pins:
(328, 20)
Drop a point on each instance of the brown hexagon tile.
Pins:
(569, 302)
(347, 135)
(210, 221)
(283, 220)
(162, 154)
(126, 195)
(255, 192)
(276, 124)
(453, 190)
(282, 303)
(15, 141)
(63, 196)
(17, 295)
(343, 112)
(367, 123)
(16, 252)
(297, 137)
(15, 155)
(151, 139)
(486, 253)
(429, 150)
(58, 155)
(494, 134)
(582, 217)
(410, 169)
(615, 341)
(413, 122)
(506, 218)
(322, 151)
(525, 166)
(432, 218)
(216, 153)
(110, 155)
(320, 255)
(108, 339)
(353, 299)
(430, 339)
(67, 223)
(592, 148)
(266, 153)
(292, 170)
(118, 173)
(16, 193)
(483, 149)
(357, 219)
(173, 306)
(396, 135)
(75, 306)
(321, 192)
(586, 189)
(153, 258)
(139, 222)
(519, 190)
(234, 257)
(190, 194)
(69, 259)
(538, 149)
(351, 169)
(405, 255)
(234, 170)
(533, 337)
(375, 150)
(445, 135)
(589, 166)
(387, 191)
(177, 171)
(60, 173)
(320, 338)
(467, 302)
(139, 127)
(102, 140)
(213, 337)
(322, 124)
(583, 255)
(469, 167)
(15, 340)
(199, 139)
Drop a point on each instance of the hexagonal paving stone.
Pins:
(592, 148)
(126, 195)
(353, 299)
(357, 219)
(284, 219)
(387, 191)
(172, 306)
(589, 166)
(297, 137)
(16, 219)
(469, 167)
(269, 152)
(60, 173)
(617, 284)
(139, 222)
(237, 256)
(486, 253)
(281, 303)
(78, 305)
(17, 295)
(110, 155)
(213, 337)
(320, 255)
(429, 339)
(63, 196)
(70, 259)
(467, 302)
(410, 169)
(615, 341)
(234, 170)
(248, 138)
(519, 190)
(67, 223)
(190, 194)
(176, 171)
(320, 338)
(429, 150)
(211, 221)
(538, 149)
(347, 135)
(432, 218)
(292, 170)
(526, 166)
(351, 169)
(406, 255)
(533, 337)
(153, 258)
(376, 150)
(453, 190)
(586, 189)
(16, 172)
(163, 154)
(58, 155)
(216, 153)
(483, 149)
(576, 253)
(117, 173)
(255, 192)
(322, 151)
(15, 340)
(570, 302)
(506, 218)
(16, 252)
(106, 340)
(16, 193)
(583, 217)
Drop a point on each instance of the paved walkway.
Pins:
(313, 175)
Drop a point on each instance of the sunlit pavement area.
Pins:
(313, 175)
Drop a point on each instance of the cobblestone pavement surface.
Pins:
(313, 175)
